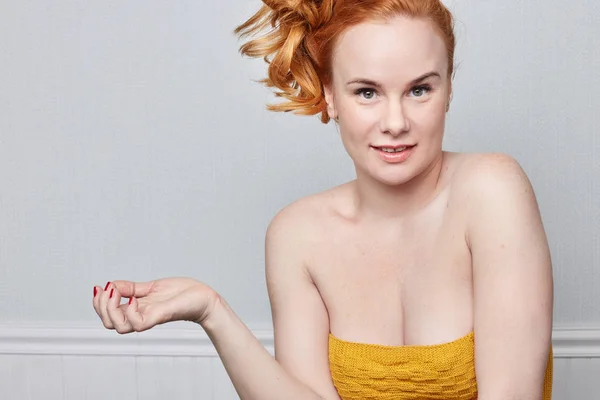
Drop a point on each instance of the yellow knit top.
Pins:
(442, 371)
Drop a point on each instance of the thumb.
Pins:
(133, 289)
(142, 321)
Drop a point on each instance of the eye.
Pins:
(366, 93)
(420, 91)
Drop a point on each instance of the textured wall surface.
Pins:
(134, 144)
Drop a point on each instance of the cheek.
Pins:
(355, 132)
(358, 118)
(355, 121)
(430, 120)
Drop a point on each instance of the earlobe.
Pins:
(448, 103)
(331, 112)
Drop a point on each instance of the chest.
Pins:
(398, 284)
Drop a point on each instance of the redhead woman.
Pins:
(426, 277)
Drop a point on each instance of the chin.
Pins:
(391, 178)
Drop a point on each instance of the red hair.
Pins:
(301, 38)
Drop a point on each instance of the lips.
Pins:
(394, 157)
(394, 147)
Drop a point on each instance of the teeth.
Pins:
(388, 150)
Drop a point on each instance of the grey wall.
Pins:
(134, 144)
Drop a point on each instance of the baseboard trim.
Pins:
(576, 343)
(96, 341)
(165, 341)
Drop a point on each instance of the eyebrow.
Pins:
(415, 81)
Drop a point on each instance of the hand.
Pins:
(153, 303)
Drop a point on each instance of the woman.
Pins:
(427, 277)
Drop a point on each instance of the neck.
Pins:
(376, 200)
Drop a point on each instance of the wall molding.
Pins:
(78, 340)
(576, 342)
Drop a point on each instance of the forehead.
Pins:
(395, 50)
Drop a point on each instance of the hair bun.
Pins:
(288, 47)
(312, 13)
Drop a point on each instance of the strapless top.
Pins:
(441, 371)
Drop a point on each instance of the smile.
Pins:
(396, 154)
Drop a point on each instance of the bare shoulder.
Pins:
(490, 184)
(305, 217)
(484, 172)
(296, 231)
(492, 180)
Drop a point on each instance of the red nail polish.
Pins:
(107, 285)
(111, 293)
(130, 300)
(95, 291)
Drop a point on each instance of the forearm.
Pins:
(255, 373)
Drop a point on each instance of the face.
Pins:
(390, 89)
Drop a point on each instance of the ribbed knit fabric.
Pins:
(443, 371)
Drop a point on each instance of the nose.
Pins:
(393, 119)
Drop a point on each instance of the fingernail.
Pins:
(130, 300)
(106, 287)
(95, 291)
(111, 293)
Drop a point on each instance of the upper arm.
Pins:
(300, 318)
(512, 278)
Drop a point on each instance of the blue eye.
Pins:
(420, 91)
(366, 93)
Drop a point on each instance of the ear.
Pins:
(330, 100)
(449, 95)
(448, 102)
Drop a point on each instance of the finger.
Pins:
(133, 289)
(103, 297)
(95, 301)
(115, 312)
(142, 321)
